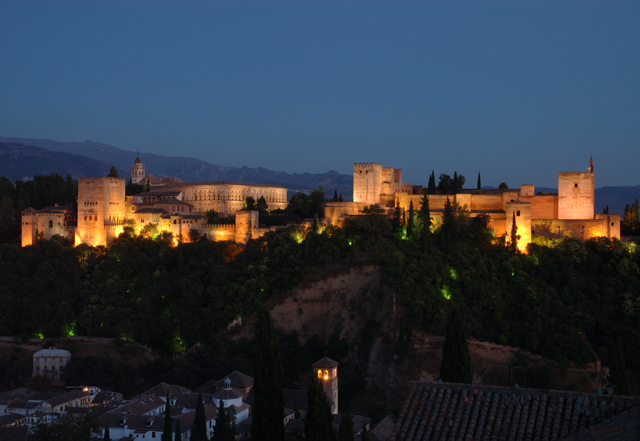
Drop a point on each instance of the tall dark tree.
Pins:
(268, 406)
(106, 437)
(345, 431)
(431, 186)
(397, 217)
(444, 183)
(479, 186)
(262, 205)
(113, 173)
(168, 430)
(250, 203)
(425, 216)
(513, 245)
(456, 361)
(335, 196)
(319, 422)
(618, 375)
(199, 429)
(410, 221)
(365, 433)
(178, 436)
(222, 431)
(454, 183)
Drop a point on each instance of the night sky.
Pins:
(518, 90)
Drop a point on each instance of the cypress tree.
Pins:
(341, 197)
(107, 437)
(456, 184)
(431, 186)
(410, 221)
(514, 235)
(335, 196)
(456, 361)
(479, 187)
(365, 433)
(199, 429)
(268, 406)
(397, 217)
(222, 431)
(618, 375)
(167, 432)
(345, 432)
(178, 436)
(425, 214)
(319, 422)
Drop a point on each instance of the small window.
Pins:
(612, 224)
(518, 213)
(50, 224)
(575, 185)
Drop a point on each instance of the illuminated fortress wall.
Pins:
(226, 197)
(101, 203)
(367, 183)
(575, 195)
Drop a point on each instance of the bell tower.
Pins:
(327, 372)
(137, 171)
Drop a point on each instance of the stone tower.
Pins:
(576, 195)
(367, 183)
(137, 171)
(101, 207)
(327, 372)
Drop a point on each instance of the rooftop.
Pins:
(461, 411)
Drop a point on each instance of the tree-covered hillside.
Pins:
(144, 290)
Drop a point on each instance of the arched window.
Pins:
(319, 373)
(50, 224)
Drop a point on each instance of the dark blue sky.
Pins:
(518, 90)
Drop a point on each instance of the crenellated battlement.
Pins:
(363, 165)
(102, 179)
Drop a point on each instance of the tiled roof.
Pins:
(238, 380)
(143, 405)
(383, 430)
(52, 352)
(325, 362)
(66, 397)
(622, 427)
(11, 418)
(447, 411)
(162, 389)
(223, 183)
(14, 394)
(226, 394)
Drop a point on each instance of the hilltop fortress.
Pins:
(171, 205)
(178, 207)
(569, 213)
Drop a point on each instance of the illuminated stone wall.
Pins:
(522, 212)
(227, 198)
(367, 183)
(101, 202)
(582, 229)
(575, 195)
(246, 221)
(542, 206)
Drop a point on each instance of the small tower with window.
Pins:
(327, 372)
(137, 171)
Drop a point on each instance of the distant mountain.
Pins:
(22, 162)
(190, 169)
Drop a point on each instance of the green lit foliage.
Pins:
(630, 224)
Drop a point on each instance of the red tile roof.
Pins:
(447, 411)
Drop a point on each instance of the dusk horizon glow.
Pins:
(516, 91)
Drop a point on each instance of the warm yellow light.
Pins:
(326, 377)
(86, 389)
(319, 373)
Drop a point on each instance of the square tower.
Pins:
(367, 183)
(575, 195)
(327, 373)
(101, 202)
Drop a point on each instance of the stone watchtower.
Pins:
(137, 171)
(367, 183)
(327, 372)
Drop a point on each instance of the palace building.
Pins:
(569, 213)
(169, 205)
